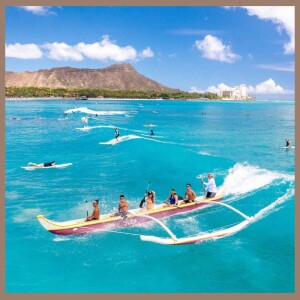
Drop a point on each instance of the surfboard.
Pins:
(31, 168)
(149, 125)
(152, 136)
(84, 128)
(121, 139)
(289, 147)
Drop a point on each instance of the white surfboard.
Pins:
(152, 136)
(289, 147)
(121, 139)
(31, 168)
(149, 125)
(84, 128)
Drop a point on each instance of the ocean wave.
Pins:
(94, 112)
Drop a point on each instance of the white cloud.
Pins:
(270, 87)
(104, 50)
(288, 67)
(107, 50)
(267, 87)
(38, 10)
(62, 51)
(25, 51)
(213, 48)
(282, 16)
(146, 53)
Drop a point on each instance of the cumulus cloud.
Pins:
(282, 16)
(61, 51)
(267, 87)
(212, 48)
(38, 10)
(104, 50)
(146, 53)
(107, 50)
(25, 51)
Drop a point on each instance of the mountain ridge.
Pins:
(114, 77)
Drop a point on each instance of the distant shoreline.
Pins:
(127, 99)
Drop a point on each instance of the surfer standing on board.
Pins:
(287, 143)
(85, 121)
(117, 133)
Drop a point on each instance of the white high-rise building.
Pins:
(236, 93)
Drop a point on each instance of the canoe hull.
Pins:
(107, 224)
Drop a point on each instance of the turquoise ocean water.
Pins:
(238, 141)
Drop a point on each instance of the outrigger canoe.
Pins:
(138, 216)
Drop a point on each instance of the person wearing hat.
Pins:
(172, 199)
(96, 213)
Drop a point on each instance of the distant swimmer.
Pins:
(151, 132)
(117, 133)
(85, 121)
(211, 187)
(96, 213)
(42, 165)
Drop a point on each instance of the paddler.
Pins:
(42, 165)
(189, 195)
(172, 199)
(211, 187)
(122, 208)
(96, 213)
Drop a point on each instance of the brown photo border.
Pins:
(28, 296)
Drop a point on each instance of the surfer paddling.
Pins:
(42, 165)
(211, 187)
(117, 133)
(96, 213)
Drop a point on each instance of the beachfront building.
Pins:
(236, 93)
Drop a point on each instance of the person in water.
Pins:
(117, 133)
(151, 132)
(96, 213)
(85, 121)
(211, 187)
(172, 199)
(122, 208)
(287, 143)
(42, 165)
(189, 195)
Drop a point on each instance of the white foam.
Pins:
(94, 112)
(244, 178)
(121, 139)
(26, 215)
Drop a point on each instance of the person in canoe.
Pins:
(96, 213)
(172, 199)
(117, 133)
(189, 195)
(42, 165)
(149, 196)
(211, 187)
(150, 199)
(122, 208)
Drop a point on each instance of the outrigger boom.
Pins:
(202, 236)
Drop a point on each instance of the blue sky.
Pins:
(190, 48)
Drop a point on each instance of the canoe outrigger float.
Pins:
(133, 218)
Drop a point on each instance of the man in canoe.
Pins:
(122, 208)
(211, 187)
(117, 133)
(96, 213)
(189, 195)
(42, 165)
